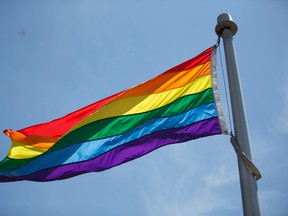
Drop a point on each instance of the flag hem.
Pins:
(216, 93)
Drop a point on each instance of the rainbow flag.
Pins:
(178, 105)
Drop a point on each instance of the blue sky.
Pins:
(73, 53)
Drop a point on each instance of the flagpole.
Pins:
(226, 28)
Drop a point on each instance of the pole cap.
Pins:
(225, 21)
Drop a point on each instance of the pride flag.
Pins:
(178, 105)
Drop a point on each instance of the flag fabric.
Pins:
(178, 105)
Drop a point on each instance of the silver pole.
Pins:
(226, 28)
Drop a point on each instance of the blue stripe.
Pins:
(91, 149)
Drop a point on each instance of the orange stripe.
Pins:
(167, 81)
(32, 140)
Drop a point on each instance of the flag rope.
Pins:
(244, 158)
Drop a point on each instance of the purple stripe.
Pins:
(126, 152)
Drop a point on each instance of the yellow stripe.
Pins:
(144, 103)
(22, 151)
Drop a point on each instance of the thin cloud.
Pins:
(206, 199)
(282, 116)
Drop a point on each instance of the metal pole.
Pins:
(226, 28)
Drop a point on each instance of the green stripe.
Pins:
(117, 125)
(9, 164)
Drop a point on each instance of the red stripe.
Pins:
(202, 58)
(60, 126)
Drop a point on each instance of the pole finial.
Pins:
(225, 21)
